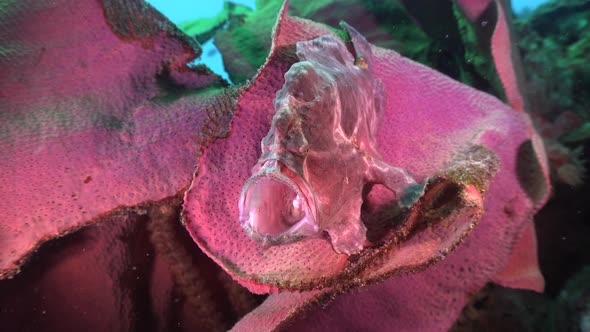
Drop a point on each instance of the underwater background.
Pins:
(552, 39)
(185, 10)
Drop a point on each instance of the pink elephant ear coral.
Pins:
(433, 127)
(420, 236)
(504, 52)
(90, 118)
(523, 266)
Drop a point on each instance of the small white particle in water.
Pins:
(44, 312)
(297, 202)
(484, 23)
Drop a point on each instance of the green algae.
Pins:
(204, 29)
(578, 135)
(555, 43)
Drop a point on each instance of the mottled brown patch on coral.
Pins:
(530, 172)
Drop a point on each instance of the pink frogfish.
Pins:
(320, 152)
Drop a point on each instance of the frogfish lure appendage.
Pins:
(320, 152)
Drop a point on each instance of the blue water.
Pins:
(179, 11)
(519, 5)
(182, 10)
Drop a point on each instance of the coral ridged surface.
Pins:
(88, 121)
